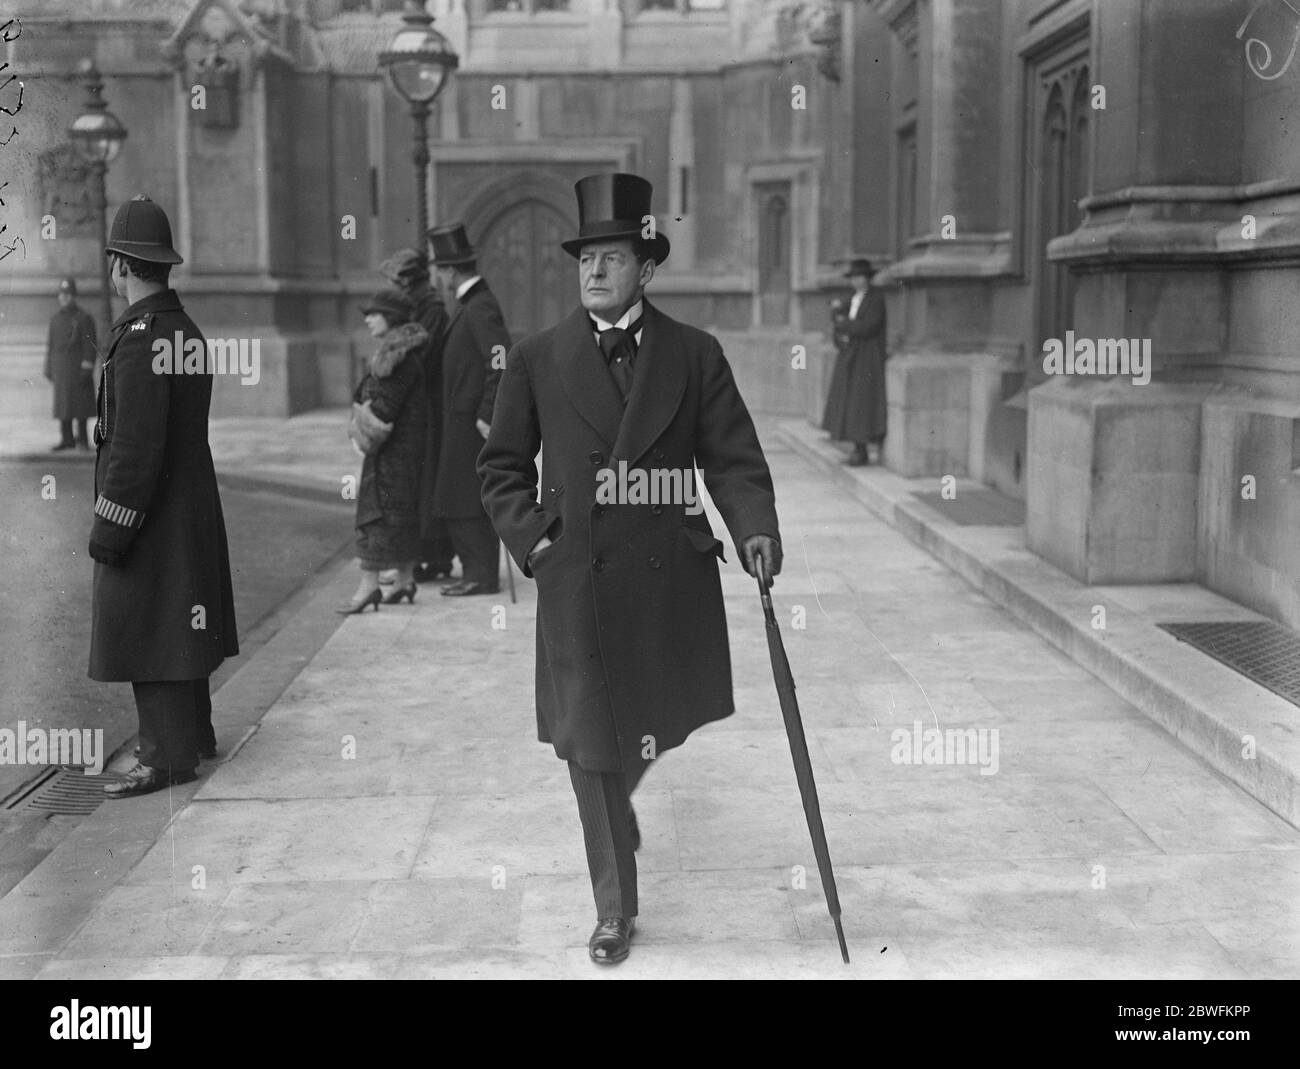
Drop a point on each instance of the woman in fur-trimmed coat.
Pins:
(392, 395)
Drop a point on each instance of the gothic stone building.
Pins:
(1021, 171)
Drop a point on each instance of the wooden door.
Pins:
(533, 278)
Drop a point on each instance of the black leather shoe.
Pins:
(398, 593)
(636, 831)
(145, 780)
(611, 942)
(465, 590)
(351, 608)
(858, 458)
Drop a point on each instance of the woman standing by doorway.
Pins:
(855, 406)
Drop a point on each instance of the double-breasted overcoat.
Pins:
(70, 344)
(632, 650)
(472, 358)
(855, 405)
(162, 606)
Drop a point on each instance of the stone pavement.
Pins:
(392, 814)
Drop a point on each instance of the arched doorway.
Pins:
(532, 277)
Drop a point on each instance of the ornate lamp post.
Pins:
(419, 61)
(97, 135)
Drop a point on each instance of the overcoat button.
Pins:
(598, 564)
(659, 454)
(657, 510)
(655, 562)
(598, 510)
(595, 457)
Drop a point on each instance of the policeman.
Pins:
(162, 606)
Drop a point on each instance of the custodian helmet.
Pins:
(141, 230)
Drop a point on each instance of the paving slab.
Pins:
(384, 810)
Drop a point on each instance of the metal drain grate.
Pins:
(65, 790)
(976, 508)
(1260, 650)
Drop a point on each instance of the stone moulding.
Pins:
(1187, 224)
(976, 255)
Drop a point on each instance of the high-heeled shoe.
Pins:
(407, 592)
(353, 607)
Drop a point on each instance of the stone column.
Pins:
(1115, 464)
(946, 380)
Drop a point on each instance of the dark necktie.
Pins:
(619, 347)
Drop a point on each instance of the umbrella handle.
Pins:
(760, 566)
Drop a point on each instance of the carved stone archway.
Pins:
(517, 224)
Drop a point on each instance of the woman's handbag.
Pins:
(367, 431)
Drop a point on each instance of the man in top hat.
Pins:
(163, 614)
(408, 270)
(855, 406)
(473, 355)
(632, 650)
(70, 365)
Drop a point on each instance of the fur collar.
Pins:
(394, 348)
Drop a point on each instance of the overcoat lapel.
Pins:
(585, 376)
(461, 302)
(658, 383)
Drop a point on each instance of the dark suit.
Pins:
(435, 544)
(472, 357)
(162, 608)
(632, 651)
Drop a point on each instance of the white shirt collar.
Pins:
(625, 320)
(463, 288)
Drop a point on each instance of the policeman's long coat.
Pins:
(157, 511)
(855, 405)
(71, 342)
(476, 334)
(631, 628)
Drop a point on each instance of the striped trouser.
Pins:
(604, 805)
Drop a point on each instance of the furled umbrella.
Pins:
(799, 752)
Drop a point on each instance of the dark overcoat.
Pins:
(431, 314)
(855, 406)
(164, 610)
(632, 651)
(476, 334)
(394, 386)
(71, 343)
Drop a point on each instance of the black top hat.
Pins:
(141, 231)
(451, 245)
(612, 207)
(393, 305)
(68, 285)
(859, 265)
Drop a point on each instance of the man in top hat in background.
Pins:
(408, 270)
(473, 355)
(855, 406)
(162, 608)
(70, 364)
(632, 650)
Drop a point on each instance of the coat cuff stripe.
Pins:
(118, 514)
